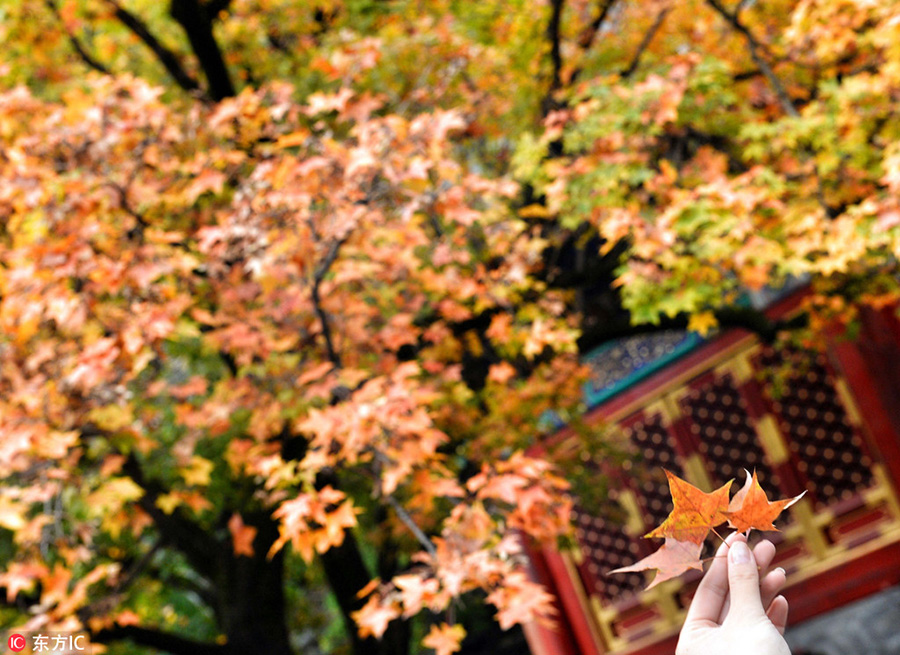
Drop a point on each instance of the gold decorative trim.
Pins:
(584, 602)
(668, 608)
(672, 406)
(658, 408)
(629, 502)
(739, 367)
(771, 439)
(840, 556)
(848, 402)
(576, 555)
(604, 617)
(886, 490)
(696, 473)
(812, 531)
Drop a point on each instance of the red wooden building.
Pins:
(706, 410)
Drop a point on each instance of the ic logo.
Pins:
(16, 643)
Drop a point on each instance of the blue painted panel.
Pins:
(617, 365)
(620, 364)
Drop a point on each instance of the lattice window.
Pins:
(829, 451)
(604, 542)
(656, 451)
(604, 547)
(728, 441)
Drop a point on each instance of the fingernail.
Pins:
(783, 572)
(739, 553)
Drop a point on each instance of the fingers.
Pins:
(743, 582)
(764, 553)
(778, 612)
(710, 597)
(771, 582)
(771, 586)
(713, 598)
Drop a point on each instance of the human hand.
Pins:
(733, 611)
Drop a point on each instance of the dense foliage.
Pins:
(288, 288)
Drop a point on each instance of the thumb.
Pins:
(743, 583)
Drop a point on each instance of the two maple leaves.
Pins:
(696, 514)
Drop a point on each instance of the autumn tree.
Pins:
(289, 289)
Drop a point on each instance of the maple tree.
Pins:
(288, 289)
(695, 514)
(198, 361)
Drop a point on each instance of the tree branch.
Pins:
(333, 355)
(548, 103)
(347, 573)
(586, 39)
(421, 537)
(205, 591)
(137, 569)
(176, 529)
(554, 37)
(141, 224)
(645, 42)
(784, 99)
(165, 641)
(166, 56)
(82, 52)
(197, 24)
(756, 47)
(404, 516)
(734, 19)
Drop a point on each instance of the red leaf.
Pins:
(671, 560)
(241, 535)
(695, 512)
(751, 509)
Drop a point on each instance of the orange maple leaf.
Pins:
(695, 513)
(374, 616)
(242, 535)
(671, 560)
(445, 639)
(751, 509)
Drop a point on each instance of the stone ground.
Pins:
(867, 627)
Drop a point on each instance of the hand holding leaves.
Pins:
(696, 514)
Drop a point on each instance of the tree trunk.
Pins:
(197, 24)
(347, 574)
(250, 595)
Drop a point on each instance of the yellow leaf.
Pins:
(112, 495)
(197, 474)
(112, 418)
(11, 514)
(702, 323)
(168, 502)
(534, 211)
